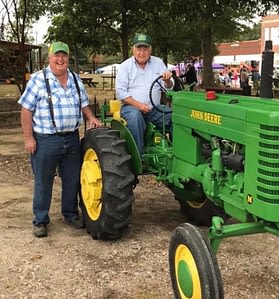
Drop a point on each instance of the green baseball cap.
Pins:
(142, 39)
(58, 47)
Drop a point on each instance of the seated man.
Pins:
(133, 80)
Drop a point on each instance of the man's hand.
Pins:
(30, 145)
(166, 77)
(94, 123)
(144, 108)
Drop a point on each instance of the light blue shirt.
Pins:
(134, 81)
(65, 103)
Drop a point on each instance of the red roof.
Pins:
(240, 48)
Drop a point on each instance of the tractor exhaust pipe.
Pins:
(267, 71)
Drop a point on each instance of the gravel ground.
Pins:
(70, 264)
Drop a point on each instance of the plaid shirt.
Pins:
(65, 103)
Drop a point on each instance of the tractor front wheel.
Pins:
(193, 266)
(106, 184)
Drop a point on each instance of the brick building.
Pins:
(270, 31)
(239, 52)
(251, 51)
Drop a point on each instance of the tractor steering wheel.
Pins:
(157, 80)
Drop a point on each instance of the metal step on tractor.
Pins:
(222, 161)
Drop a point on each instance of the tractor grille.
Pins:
(268, 165)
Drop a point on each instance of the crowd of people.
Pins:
(244, 77)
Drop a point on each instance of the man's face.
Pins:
(58, 63)
(142, 54)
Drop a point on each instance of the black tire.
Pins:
(193, 266)
(201, 213)
(196, 207)
(106, 184)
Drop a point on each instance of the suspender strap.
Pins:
(79, 95)
(50, 99)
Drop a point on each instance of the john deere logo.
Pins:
(249, 199)
(141, 37)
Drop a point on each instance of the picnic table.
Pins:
(89, 82)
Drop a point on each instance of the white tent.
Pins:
(113, 68)
(108, 70)
(171, 67)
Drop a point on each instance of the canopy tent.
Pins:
(108, 70)
(182, 66)
(215, 66)
(171, 67)
(113, 68)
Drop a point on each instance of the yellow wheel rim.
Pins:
(187, 274)
(196, 205)
(91, 184)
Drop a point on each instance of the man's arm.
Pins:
(26, 124)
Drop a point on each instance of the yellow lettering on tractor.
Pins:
(197, 114)
(206, 116)
(249, 199)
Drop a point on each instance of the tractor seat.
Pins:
(114, 108)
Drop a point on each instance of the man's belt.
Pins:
(65, 133)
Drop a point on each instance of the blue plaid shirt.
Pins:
(66, 110)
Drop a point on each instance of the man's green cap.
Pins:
(142, 39)
(58, 47)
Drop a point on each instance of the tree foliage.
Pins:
(180, 29)
(20, 15)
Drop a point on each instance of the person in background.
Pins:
(133, 80)
(178, 85)
(244, 79)
(191, 76)
(227, 79)
(235, 78)
(256, 77)
(50, 121)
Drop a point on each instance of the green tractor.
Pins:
(222, 161)
(110, 169)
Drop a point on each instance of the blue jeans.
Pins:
(56, 151)
(136, 122)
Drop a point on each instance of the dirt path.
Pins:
(70, 264)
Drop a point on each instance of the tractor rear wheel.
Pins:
(201, 213)
(106, 184)
(194, 204)
(193, 266)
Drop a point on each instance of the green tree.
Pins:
(179, 28)
(215, 21)
(20, 15)
(104, 26)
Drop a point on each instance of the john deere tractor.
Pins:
(112, 164)
(222, 161)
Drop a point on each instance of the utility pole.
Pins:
(2, 28)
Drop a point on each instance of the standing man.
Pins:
(256, 77)
(50, 116)
(133, 80)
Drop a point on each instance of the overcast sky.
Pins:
(40, 29)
